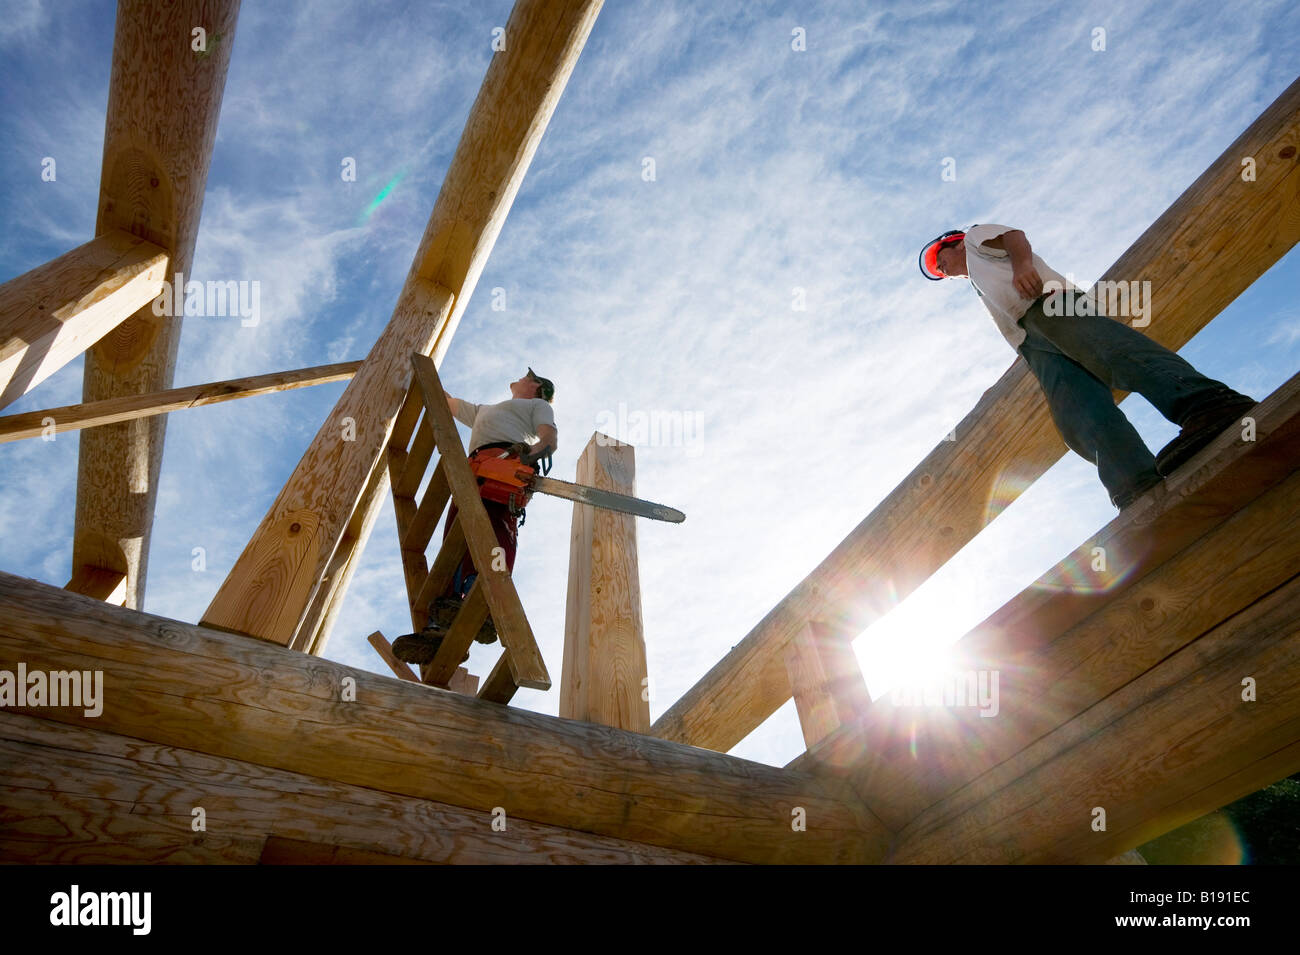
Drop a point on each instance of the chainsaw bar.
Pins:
(606, 499)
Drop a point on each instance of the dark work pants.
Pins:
(1079, 359)
(504, 525)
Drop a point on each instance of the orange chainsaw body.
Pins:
(505, 480)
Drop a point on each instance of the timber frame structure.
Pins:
(1122, 690)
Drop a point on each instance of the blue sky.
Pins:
(775, 170)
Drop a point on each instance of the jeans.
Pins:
(504, 525)
(1079, 359)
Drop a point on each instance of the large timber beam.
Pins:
(829, 689)
(185, 686)
(164, 98)
(1187, 737)
(1222, 534)
(96, 414)
(1219, 236)
(79, 795)
(270, 592)
(53, 313)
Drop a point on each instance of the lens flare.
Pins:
(384, 193)
(1006, 489)
(1211, 840)
(1095, 568)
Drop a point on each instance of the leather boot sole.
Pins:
(1137, 492)
(1185, 447)
(417, 647)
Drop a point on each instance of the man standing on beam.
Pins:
(524, 427)
(1079, 355)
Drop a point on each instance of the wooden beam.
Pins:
(53, 313)
(281, 851)
(272, 584)
(829, 689)
(1222, 534)
(441, 574)
(164, 99)
(314, 630)
(423, 522)
(462, 681)
(94, 414)
(175, 684)
(270, 590)
(101, 584)
(604, 675)
(407, 514)
(75, 794)
(1175, 743)
(500, 686)
(455, 645)
(1214, 241)
(401, 669)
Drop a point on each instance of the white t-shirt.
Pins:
(991, 275)
(515, 420)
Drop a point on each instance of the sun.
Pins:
(912, 644)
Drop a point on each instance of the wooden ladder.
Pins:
(410, 450)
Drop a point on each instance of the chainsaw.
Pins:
(511, 480)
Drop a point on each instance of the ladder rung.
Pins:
(462, 681)
(396, 460)
(407, 415)
(443, 571)
(418, 530)
(404, 511)
(500, 686)
(417, 461)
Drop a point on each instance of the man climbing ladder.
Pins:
(1079, 355)
(523, 428)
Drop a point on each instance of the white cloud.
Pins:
(22, 21)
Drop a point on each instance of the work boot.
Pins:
(1200, 428)
(1124, 500)
(419, 647)
(422, 647)
(445, 610)
(486, 633)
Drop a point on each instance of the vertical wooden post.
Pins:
(829, 689)
(603, 678)
(164, 98)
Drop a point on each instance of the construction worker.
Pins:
(522, 426)
(1079, 356)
